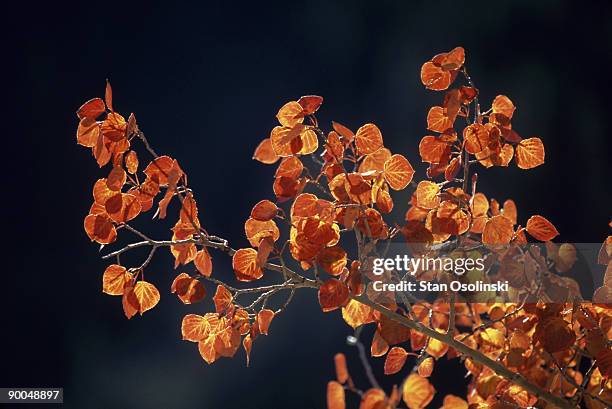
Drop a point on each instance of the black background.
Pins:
(205, 83)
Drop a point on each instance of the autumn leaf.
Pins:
(333, 294)
(497, 230)
(417, 392)
(188, 289)
(541, 229)
(368, 139)
(244, 263)
(335, 396)
(342, 374)
(264, 152)
(140, 298)
(529, 153)
(264, 210)
(114, 279)
(398, 172)
(395, 360)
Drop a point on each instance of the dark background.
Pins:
(205, 83)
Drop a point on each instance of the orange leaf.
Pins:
(529, 153)
(256, 231)
(264, 210)
(454, 402)
(116, 179)
(131, 162)
(426, 367)
(264, 152)
(342, 374)
(437, 120)
(290, 167)
(509, 211)
(504, 106)
(91, 109)
(379, 346)
(373, 399)
(392, 331)
(88, 132)
(427, 194)
(264, 318)
(159, 169)
(99, 228)
(375, 161)
(266, 246)
(188, 289)
(140, 298)
(541, 229)
(290, 114)
(346, 133)
(335, 396)
(433, 150)
(195, 328)
(108, 95)
(333, 294)
(417, 392)
(310, 103)
(244, 263)
(398, 172)
(247, 344)
(436, 348)
(333, 260)
(554, 334)
(114, 279)
(203, 262)
(222, 299)
(368, 139)
(434, 77)
(395, 360)
(356, 314)
(497, 230)
(122, 207)
(114, 127)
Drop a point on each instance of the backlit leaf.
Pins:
(188, 289)
(427, 194)
(194, 327)
(88, 132)
(333, 294)
(310, 103)
(91, 109)
(398, 172)
(437, 120)
(368, 139)
(417, 392)
(114, 279)
(203, 262)
(264, 210)
(497, 230)
(342, 373)
(264, 152)
(264, 318)
(529, 153)
(244, 263)
(395, 360)
(222, 299)
(454, 402)
(141, 298)
(131, 162)
(335, 396)
(290, 114)
(541, 229)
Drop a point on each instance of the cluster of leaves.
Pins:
(333, 192)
